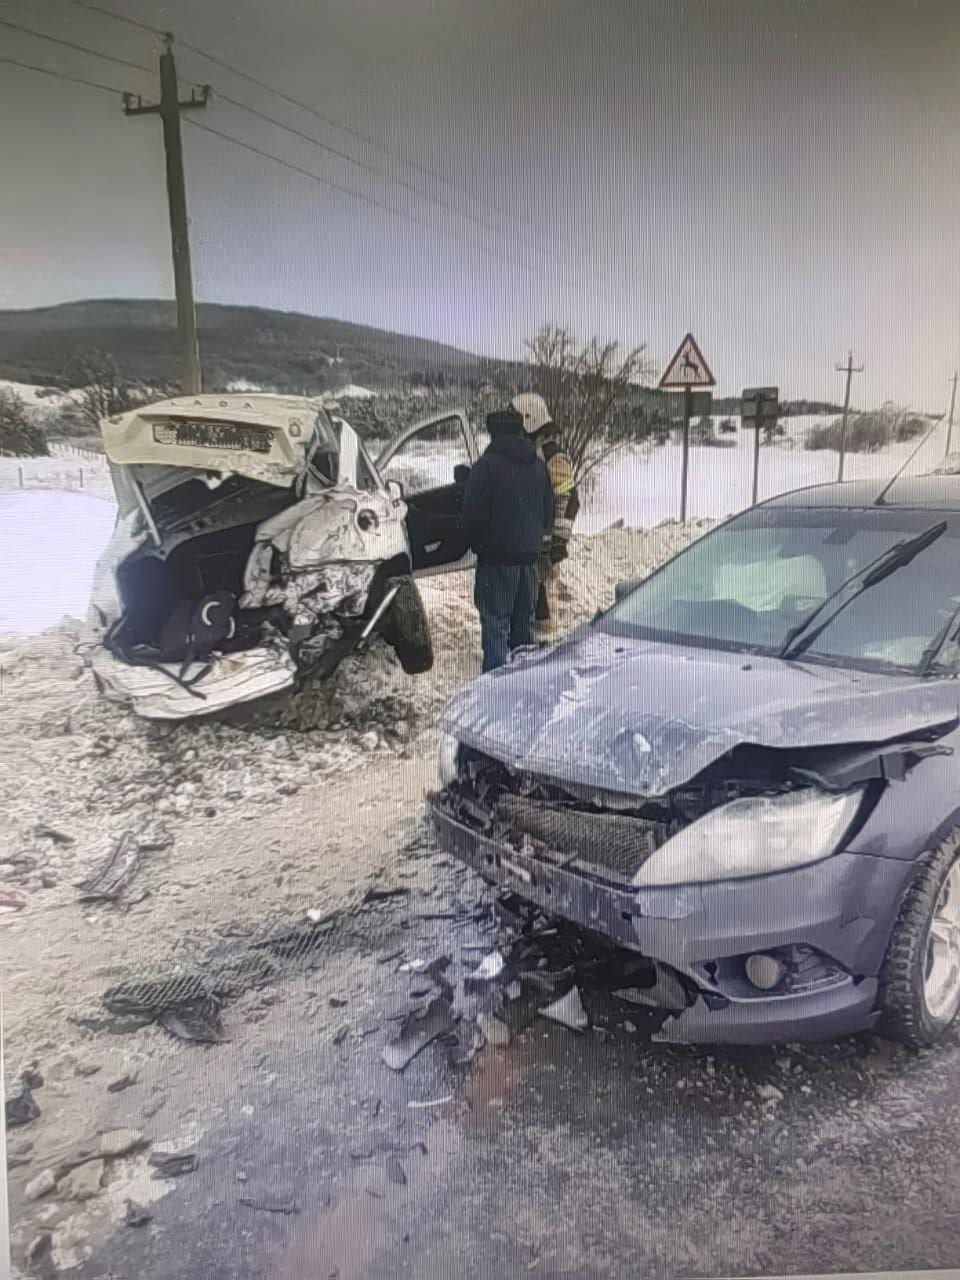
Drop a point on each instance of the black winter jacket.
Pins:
(508, 502)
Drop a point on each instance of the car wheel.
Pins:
(920, 980)
(407, 630)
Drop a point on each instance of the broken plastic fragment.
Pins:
(490, 967)
(495, 1032)
(568, 1011)
(418, 1029)
(171, 1164)
(21, 1109)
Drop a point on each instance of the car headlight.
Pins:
(449, 750)
(752, 836)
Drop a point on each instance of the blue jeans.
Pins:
(505, 596)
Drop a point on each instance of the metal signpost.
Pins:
(759, 409)
(685, 372)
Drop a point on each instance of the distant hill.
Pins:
(278, 348)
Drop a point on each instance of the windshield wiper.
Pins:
(802, 636)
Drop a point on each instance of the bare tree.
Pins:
(19, 436)
(102, 389)
(591, 391)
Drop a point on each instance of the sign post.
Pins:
(759, 409)
(686, 371)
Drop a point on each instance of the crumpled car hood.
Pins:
(643, 718)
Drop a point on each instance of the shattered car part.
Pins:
(108, 881)
(170, 1164)
(21, 1109)
(581, 771)
(256, 546)
(568, 1011)
(418, 1030)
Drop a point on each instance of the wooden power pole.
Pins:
(168, 109)
(849, 369)
(953, 401)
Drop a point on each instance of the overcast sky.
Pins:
(779, 177)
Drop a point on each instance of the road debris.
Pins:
(568, 1011)
(271, 1204)
(495, 1032)
(11, 901)
(45, 832)
(415, 1105)
(120, 1142)
(126, 1081)
(395, 1171)
(171, 1164)
(418, 1029)
(83, 1182)
(769, 1093)
(194, 1021)
(21, 1109)
(341, 1033)
(490, 967)
(40, 1185)
(107, 882)
(136, 1215)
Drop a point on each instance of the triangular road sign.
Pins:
(687, 368)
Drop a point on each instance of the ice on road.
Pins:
(50, 544)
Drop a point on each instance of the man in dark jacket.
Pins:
(508, 504)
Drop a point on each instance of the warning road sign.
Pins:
(687, 368)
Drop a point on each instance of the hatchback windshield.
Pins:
(754, 583)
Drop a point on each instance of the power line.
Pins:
(61, 75)
(120, 17)
(77, 48)
(334, 123)
(350, 191)
(369, 168)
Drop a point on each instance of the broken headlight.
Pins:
(448, 759)
(752, 836)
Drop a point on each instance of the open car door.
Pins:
(430, 461)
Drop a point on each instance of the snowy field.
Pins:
(52, 533)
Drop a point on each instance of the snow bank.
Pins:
(353, 392)
(50, 542)
(36, 397)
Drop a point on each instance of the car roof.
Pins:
(936, 492)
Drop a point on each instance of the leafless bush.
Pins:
(869, 432)
(591, 391)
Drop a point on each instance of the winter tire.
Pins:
(407, 630)
(920, 979)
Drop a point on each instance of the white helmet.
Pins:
(533, 409)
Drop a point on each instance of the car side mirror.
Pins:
(623, 589)
(460, 474)
(395, 490)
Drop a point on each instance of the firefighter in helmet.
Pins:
(539, 425)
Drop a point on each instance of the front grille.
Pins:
(214, 435)
(533, 813)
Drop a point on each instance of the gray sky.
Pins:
(779, 176)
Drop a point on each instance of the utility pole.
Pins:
(168, 109)
(849, 369)
(953, 401)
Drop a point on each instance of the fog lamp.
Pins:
(764, 971)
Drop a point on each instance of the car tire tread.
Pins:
(407, 630)
(904, 1014)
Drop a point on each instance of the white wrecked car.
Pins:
(257, 544)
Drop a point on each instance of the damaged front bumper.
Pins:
(827, 923)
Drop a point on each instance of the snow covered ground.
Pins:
(641, 487)
(51, 541)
